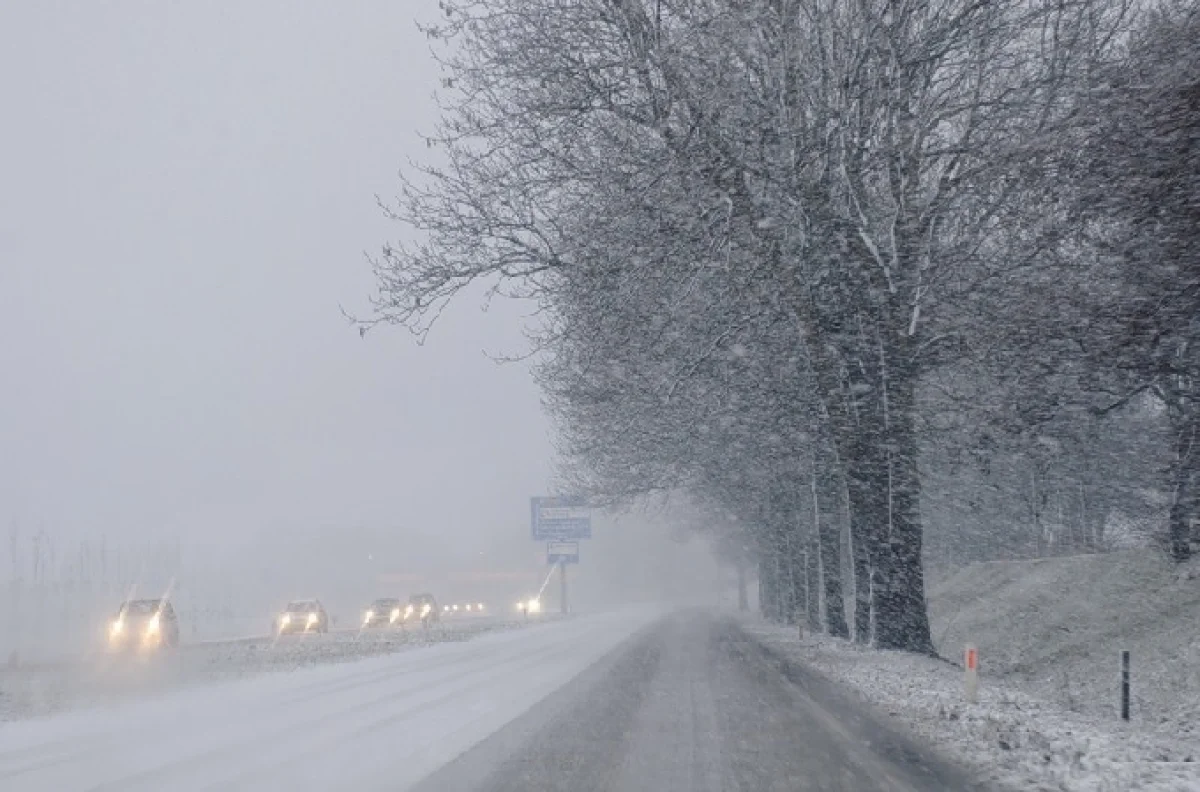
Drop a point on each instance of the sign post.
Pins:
(971, 664)
(562, 578)
(561, 554)
(560, 522)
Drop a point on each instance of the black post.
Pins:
(1125, 684)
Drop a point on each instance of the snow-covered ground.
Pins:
(381, 723)
(96, 678)
(1048, 634)
(1055, 628)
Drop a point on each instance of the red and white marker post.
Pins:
(971, 664)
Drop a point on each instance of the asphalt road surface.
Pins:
(624, 700)
(693, 704)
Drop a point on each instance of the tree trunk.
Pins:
(860, 542)
(785, 586)
(743, 598)
(794, 572)
(768, 601)
(1035, 494)
(824, 501)
(902, 618)
(1185, 510)
(812, 580)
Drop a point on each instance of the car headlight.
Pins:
(368, 615)
(395, 614)
(408, 611)
(152, 625)
(312, 618)
(535, 606)
(285, 620)
(116, 628)
(479, 606)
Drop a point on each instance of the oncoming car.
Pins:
(529, 606)
(386, 612)
(465, 608)
(425, 608)
(144, 624)
(303, 616)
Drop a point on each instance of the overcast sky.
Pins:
(188, 192)
(186, 196)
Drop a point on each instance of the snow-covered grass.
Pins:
(1055, 628)
(1011, 739)
(1049, 634)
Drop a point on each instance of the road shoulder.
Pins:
(1008, 740)
(856, 718)
(696, 703)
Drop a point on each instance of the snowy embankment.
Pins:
(1048, 634)
(1055, 627)
(380, 723)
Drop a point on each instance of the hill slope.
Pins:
(1057, 626)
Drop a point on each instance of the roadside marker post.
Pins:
(1125, 684)
(971, 664)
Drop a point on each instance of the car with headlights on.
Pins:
(144, 624)
(386, 612)
(303, 616)
(425, 608)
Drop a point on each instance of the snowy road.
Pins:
(624, 701)
(381, 723)
(695, 706)
(99, 678)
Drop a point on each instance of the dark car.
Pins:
(425, 608)
(303, 616)
(385, 612)
(146, 624)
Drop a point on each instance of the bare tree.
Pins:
(1137, 202)
(823, 183)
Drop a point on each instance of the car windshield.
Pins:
(382, 604)
(302, 607)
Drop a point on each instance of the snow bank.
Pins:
(1009, 738)
(1049, 634)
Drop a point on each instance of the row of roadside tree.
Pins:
(818, 264)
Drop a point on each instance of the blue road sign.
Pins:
(562, 552)
(557, 519)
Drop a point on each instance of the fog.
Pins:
(188, 191)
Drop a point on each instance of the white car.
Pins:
(302, 616)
